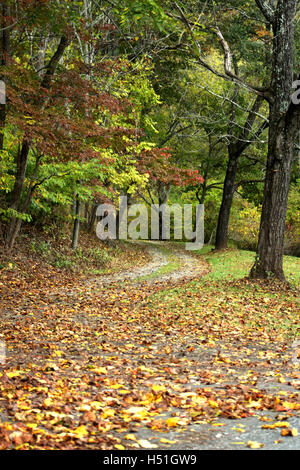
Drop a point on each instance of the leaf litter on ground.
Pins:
(88, 364)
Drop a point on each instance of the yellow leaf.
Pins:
(47, 402)
(81, 431)
(146, 444)
(108, 413)
(254, 404)
(171, 422)
(130, 437)
(119, 447)
(290, 432)
(13, 374)
(238, 429)
(254, 444)
(158, 388)
(213, 404)
(57, 353)
(96, 405)
(279, 424)
(116, 386)
(166, 441)
(136, 410)
(100, 370)
(84, 407)
(291, 406)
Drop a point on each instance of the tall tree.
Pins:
(4, 59)
(283, 132)
(23, 153)
(236, 147)
(278, 20)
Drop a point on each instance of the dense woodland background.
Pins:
(119, 345)
(186, 102)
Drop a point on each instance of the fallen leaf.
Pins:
(146, 444)
(254, 444)
(166, 441)
(290, 432)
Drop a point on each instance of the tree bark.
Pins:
(227, 198)
(269, 260)
(163, 196)
(283, 130)
(5, 51)
(15, 223)
(76, 226)
(92, 218)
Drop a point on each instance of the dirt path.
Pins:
(203, 436)
(188, 267)
(92, 367)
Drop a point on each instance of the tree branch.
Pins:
(266, 10)
(51, 67)
(228, 74)
(240, 183)
(171, 134)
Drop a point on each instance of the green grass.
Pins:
(225, 302)
(221, 310)
(166, 269)
(231, 264)
(236, 264)
(291, 266)
(172, 265)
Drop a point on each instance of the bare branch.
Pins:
(240, 183)
(226, 98)
(266, 10)
(229, 75)
(51, 67)
(174, 132)
(10, 26)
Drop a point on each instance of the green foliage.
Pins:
(6, 165)
(41, 247)
(244, 224)
(292, 237)
(143, 90)
(7, 214)
(142, 13)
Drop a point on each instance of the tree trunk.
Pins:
(5, 34)
(269, 261)
(14, 225)
(76, 226)
(92, 218)
(163, 196)
(228, 193)
(283, 130)
(5, 51)
(235, 148)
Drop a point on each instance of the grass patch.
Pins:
(225, 305)
(172, 265)
(166, 269)
(230, 264)
(235, 264)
